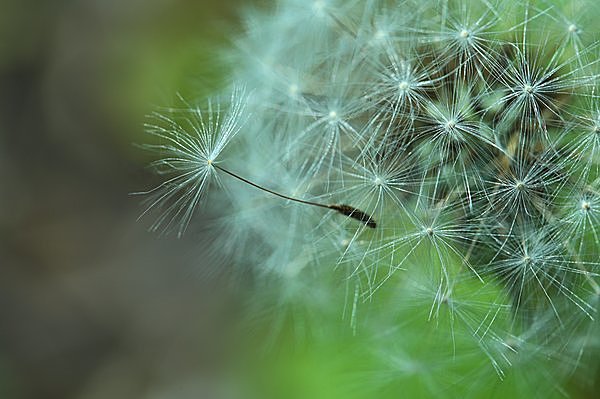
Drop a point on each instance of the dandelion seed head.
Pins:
(465, 135)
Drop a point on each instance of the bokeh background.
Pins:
(92, 305)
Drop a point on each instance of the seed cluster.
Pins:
(469, 131)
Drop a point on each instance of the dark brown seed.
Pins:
(355, 214)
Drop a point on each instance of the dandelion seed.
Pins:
(401, 82)
(347, 210)
(192, 142)
(533, 87)
(355, 214)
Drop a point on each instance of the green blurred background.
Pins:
(91, 304)
(94, 306)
